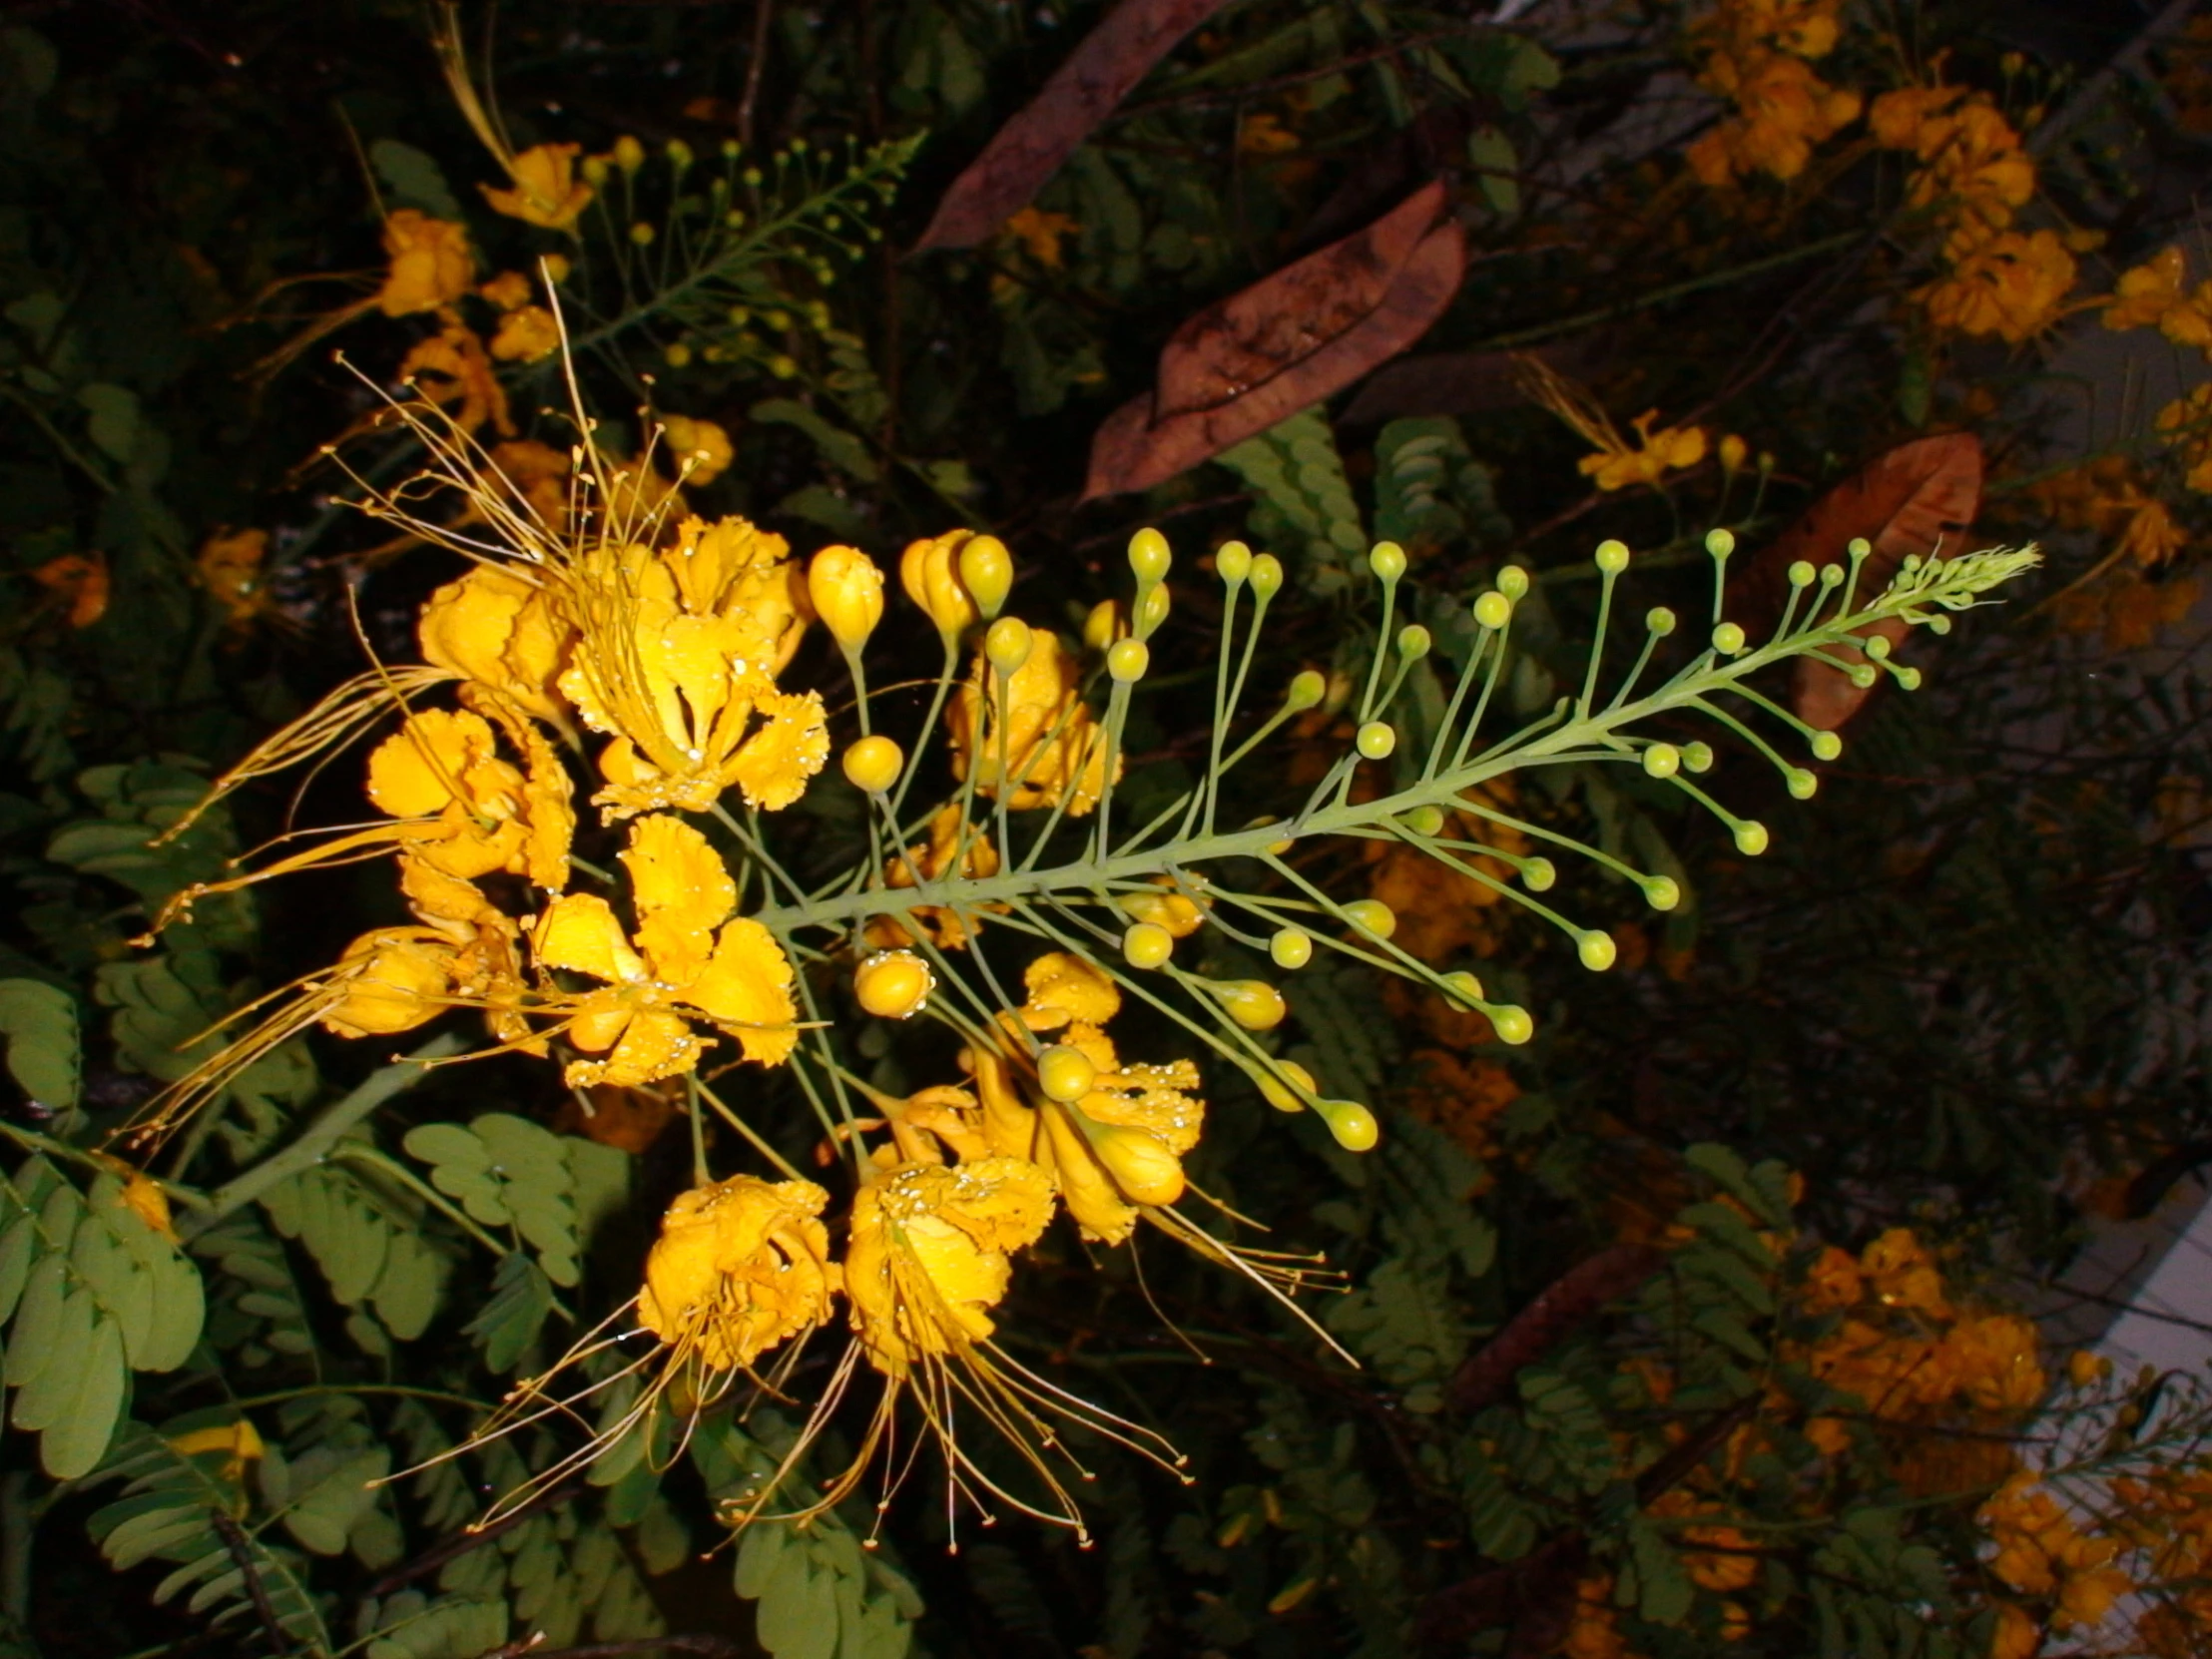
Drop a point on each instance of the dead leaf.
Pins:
(1915, 499)
(1082, 91)
(1288, 341)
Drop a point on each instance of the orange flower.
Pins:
(431, 264)
(1041, 234)
(525, 334)
(229, 566)
(1783, 111)
(546, 191)
(451, 367)
(2012, 285)
(80, 579)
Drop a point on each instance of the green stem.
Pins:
(315, 1141)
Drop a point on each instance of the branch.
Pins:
(315, 1141)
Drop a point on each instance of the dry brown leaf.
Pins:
(1288, 341)
(1082, 91)
(1915, 499)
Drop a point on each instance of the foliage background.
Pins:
(1963, 994)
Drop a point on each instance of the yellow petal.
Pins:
(745, 989)
(580, 933)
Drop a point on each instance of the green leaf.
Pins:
(40, 1023)
(114, 417)
(1663, 1590)
(1304, 500)
(841, 449)
(413, 179)
(1763, 1192)
(330, 1492)
(75, 1443)
(509, 1322)
(1495, 160)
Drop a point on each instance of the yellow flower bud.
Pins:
(1352, 1123)
(1147, 945)
(1372, 916)
(847, 592)
(1733, 452)
(927, 571)
(1065, 1074)
(1144, 1169)
(1233, 562)
(893, 985)
(628, 154)
(1149, 556)
(1127, 660)
(1252, 1003)
(873, 765)
(1281, 1098)
(987, 571)
(1007, 644)
(1103, 626)
(1152, 610)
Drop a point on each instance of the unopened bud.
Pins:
(1372, 916)
(1149, 555)
(987, 571)
(872, 765)
(1252, 1003)
(926, 570)
(848, 594)
(893, 985)
(1352, 1123)
(1144, 1167)
(1281, 1098)
(1065, 1074)
(1008, 645)
(1233, 562)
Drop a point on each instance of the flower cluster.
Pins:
(1758, 55)
(1972, 176)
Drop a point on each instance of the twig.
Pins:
(233, 1540)
(431, 1560)
(762, 12)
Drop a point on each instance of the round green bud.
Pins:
(1728, 639)
(1662, 759)
(1007, 644)
(872, 765)
(1697, 755)
(1127, 660)
(1307, 687)
(1538, 873)
(1826, 746)
(1911, 564)
(987, 572)
(1659, 620)
(1252, 1003)
(1283, 1097)
(1612, 557)
(1908, 677)
(1720, 543)
(1149, 556)
(1352, 1123)
(1939, 624)
(1512, 582)
(1388, 560)
(1463, 986)
(1412, 640)
(1662, 893)
(1512, 1024)
(1751, 837)
(1372, 916)
(1375, 739)
(1802, 784)
(1065, 1074)
(1290, 948)
(1423, 820)
(1859, 548)
(1267, 576)
(1596, 949)
(1877, 647)
(1233, 562)
(1801, 573)
(1493, 610)
(1862, 676)
(1832, 576)
(1147, 945)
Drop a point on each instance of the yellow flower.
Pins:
(1670, 449)
(702, 449)
(464, 809)
(2008, 284)
(500, 631)
(1040, 233)
(2151, 296)
(141, 1195)
(1900, 118)
(740, 1267)
(395, 978)
(928, 1254)
(1974, 161)
(675, 968)
(1263, 134)
(1783, 111)
(525, 334)
(1992, 1361)
(450, 366)
(1050, 744)
(676, 656)
(1903, 1274)
(546, 189)
(2019, 1636)
(229, 566)
(507, 291)
(431, 264)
